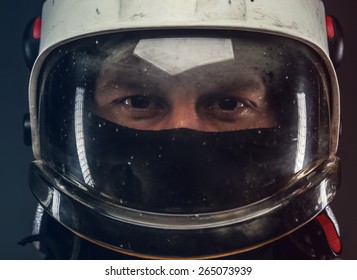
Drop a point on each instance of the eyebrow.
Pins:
(114, 80)
(229, 86)
(118, 86)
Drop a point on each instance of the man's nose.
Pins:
(184, 116)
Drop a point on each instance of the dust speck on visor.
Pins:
(183, 131)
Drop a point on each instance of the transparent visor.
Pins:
(185, 123)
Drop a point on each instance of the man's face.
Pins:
(223, 95)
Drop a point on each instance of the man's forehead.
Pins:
(173, 56)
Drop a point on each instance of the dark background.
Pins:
(17, 204)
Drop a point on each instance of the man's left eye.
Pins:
(229, 104)
(225, 104)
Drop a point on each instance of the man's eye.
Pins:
(225, 104)
(137, 101)
(229, 104)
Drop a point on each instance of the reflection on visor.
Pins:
(79, 135)
(177, 55)
(301, 135)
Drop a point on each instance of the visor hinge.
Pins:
(31, 41)
(335, 40)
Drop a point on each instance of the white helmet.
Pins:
(184, 129)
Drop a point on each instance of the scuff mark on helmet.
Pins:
(140, 15)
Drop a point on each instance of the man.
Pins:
(212, 91)
(185, 129)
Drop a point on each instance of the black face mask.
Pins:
(182, 170)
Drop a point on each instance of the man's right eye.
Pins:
(137, 101)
